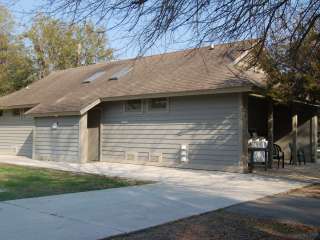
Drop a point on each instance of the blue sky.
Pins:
(124, 47)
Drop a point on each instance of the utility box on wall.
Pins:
(184, 153)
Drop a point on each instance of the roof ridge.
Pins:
(190, 49)
(155, 55)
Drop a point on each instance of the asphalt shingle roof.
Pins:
(171, 73)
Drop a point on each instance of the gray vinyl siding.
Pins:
(61, 144)
(16, 134)
(209, 125)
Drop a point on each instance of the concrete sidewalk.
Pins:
(97, 214)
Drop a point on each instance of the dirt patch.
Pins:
(222, 224)
(312, 191)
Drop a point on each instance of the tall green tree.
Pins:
(294, 73)
(58, 45)
(6, 20)
(16, 67)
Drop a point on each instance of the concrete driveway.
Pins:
(96, 214)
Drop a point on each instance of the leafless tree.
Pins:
(208, 21)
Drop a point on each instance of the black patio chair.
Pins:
(300, 155)
(278, 154)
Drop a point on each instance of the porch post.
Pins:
(314, 138)
(294, 132)
(244, 133)
(83, 138)
(270, 133)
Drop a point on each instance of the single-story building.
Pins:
(189, 109)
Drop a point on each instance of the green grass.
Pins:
(24, 182)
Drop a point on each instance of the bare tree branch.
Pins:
(209, 21)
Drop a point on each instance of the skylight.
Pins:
(121, 73)
(93, 77)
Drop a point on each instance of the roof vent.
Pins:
(121, 73)
(93, 77)
(211, 47)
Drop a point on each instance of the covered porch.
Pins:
(293, 127)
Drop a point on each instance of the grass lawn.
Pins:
(25, 182)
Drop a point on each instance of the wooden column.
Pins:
(314, 138)
(244, 133)
(270, 133)
(294, 135)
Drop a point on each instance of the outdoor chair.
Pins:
(300, 155)
(278, 154)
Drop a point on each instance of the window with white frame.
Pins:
(158, 104)
(133, 106)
